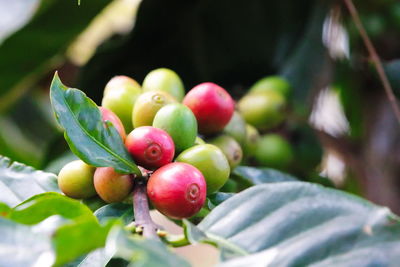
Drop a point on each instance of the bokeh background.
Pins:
(341, 126)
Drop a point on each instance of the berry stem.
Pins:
(141, 209)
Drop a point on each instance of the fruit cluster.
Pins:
(166, 131)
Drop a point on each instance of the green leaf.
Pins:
(115, 210)
(19, 182)
(71, 225)
(215, 199)
(24, 246)
(42, 206)
(96, 258)
(139, 251)
(255, 176)
(297, 223)
(26, 131)
(74, 240)
(96, 143)
(53, 27)
(309, 59)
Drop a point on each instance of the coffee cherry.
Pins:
(112, 186)
(199, 141)
(177, 190)
(212, 163)
(147, 105)
(263, 110)
(76, 180)
(231, 149)
(150, 147)
(120, 95)
(250, 144)
(212, 106)
(179, 122)
(108, 115)
(272, 83)
(236, 128)
(274, 151)
(164, 80)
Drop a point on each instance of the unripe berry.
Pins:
(272, 83)
(147, 105)
(179, 122)
(108, 115)
(120, 95)
(76, 180)
(274, 151)
(212, 163)
(236, 128)
(150, 147)
(250, 144)
(231, 149)
(263, 110)
(164, 80)
(112, 186)
(211, 105)
(177, 190)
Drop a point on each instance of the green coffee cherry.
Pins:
(76, 180)
(179, 122)
(236, 128)
(272, 83)
(252, 137)
(263, 110)
(164, 80)
(147, 105)
(199, 141)
(211, 162)
(231, 149)
(120, 96)
(274, 151)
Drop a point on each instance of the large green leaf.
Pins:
(19, 182)
(26, 131)
(20, 10)
(42, 206)
(95, 142)
(300, 224)
(115, 210)
(69, 224)
(22, 245)
(54, 26)
(254, 176)
(139, 251)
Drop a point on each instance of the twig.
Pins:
(375, 58)
(141, 209)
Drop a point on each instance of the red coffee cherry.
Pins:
(178, 190)
(150, 147)
(212, 106)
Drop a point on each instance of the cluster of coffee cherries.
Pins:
(189, 143)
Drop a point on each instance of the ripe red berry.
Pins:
(178, 190)
(108, 115)
(150, 147)
(212, 106)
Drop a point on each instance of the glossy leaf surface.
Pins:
(96, 143)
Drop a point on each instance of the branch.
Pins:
(141, 209)
(375, 58)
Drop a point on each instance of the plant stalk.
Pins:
(141, 209)
(374, 57)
